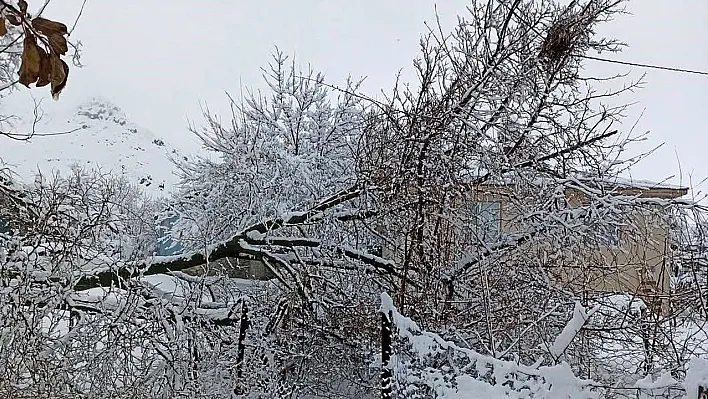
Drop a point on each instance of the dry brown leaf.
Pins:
(40, 65)
(49, 27)
(12, 18)
(3, 27)
(23, 6)
(60, 72)
(58, 44)
(45, 68)
(31, 58)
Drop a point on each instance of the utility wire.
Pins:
(589, 57)
(665, 68)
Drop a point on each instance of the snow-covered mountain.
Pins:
(96, 135)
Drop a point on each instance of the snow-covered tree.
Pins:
(156, 336)
(485, 197)
(280, 152)
(501, 112)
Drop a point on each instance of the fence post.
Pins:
(386, 341)
(241, 348)
(242, 328)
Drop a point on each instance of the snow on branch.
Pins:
(571, 329)
(372, 260)
(234, 247)
(482, 373)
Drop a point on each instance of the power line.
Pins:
(665, 68)
(589, 57)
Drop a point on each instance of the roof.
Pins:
(643, 184)
(621, 185)
(645, 188)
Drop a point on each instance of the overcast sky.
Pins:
(160, 60)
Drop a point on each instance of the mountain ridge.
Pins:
(95, 135)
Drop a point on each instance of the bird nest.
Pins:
(569, 33)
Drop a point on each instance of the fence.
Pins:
(421, 364)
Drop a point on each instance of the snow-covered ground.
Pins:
(492, 378)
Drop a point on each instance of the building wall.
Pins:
(638, 263)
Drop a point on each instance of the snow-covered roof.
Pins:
(642, 184)
(613, 182)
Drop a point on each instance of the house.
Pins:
(630, 254)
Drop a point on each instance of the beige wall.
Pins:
(639, 264)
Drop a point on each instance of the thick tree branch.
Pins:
(233, 248)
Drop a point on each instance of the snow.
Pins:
(165, 284)
(664, 380)
(99, 297)
(511, 379)
(642, 184)
(580, 317)
(255, 235)
(369, 257)
(105, 139)
(622, 302)
(386, 303)
(697, 375)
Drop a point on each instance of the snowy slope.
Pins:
(104, 139)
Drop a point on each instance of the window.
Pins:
(483, 221)
(165, 245)
(600, 234)
(4, 226)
